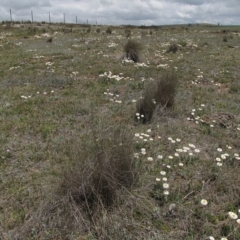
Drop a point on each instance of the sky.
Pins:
(124, 12)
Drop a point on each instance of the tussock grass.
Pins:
(166, 89)
(225, 39)
(109, 31)
(173, 48)
(92, 184)
(49, 40)
(157, 93)
(74, 165)
(146, 105)
(132, 50)
(127, 33)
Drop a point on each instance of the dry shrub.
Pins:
(161, 92)
(93, 184)
(132, 49)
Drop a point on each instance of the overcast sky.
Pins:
(117, 12)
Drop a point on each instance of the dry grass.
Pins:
(132, 50)
(109, 31)
(146, 105)
(173, 48)
(49, 40)
(127, 33)
(166, 89)
(157, 93)
(91, 185)
(74, 164)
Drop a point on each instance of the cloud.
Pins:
(24, 4)
(106, 2)
(137, 12)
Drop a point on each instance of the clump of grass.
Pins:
(225, 39)
(132, 50)
(146, 105)
(108, 31)
(143, 33)
(91, 185)
(183, 43)
(98, 30)
(50, 39)
(95, 182)
(127, 33)
(44, 30)
(235, 87)
(88, 30)
(173, 48)
(161, 92)
(166, 89)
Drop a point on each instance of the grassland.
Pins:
(68, 101)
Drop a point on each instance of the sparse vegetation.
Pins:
(75, 163)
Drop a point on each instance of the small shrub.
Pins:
(88, 30)
(109, 31)
(98, 30)
(172, 48)
(132, 49)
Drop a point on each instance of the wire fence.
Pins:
(49, 20)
